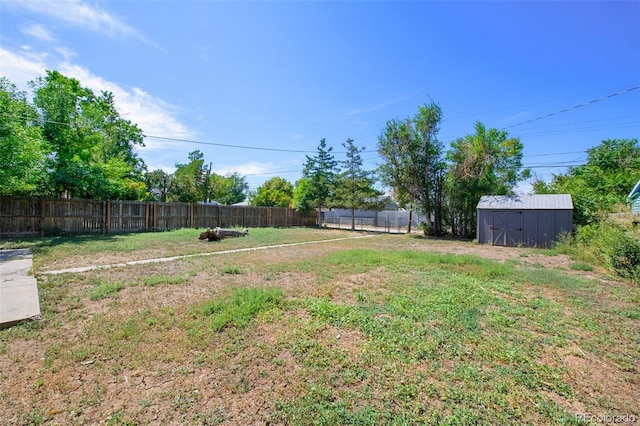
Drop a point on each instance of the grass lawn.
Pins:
(391, 329)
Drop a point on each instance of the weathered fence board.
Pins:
(20, 217)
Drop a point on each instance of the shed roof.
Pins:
(527, 202)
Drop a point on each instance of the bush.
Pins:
(427, 229)
(624, 256)
(605, 244)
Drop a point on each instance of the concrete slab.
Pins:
(19, 298)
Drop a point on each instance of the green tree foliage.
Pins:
(158, 184)
(485, 163)
(23, 150)
(354, 187)
(611, 171)
(230, 189)
(190, 181)
(92, 147)
(275, 192)
(194, 182)
(320, 172)
(301, 196)
(414, 163)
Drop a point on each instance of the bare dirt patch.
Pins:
(594, 378)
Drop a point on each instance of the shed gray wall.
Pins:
(539, 228)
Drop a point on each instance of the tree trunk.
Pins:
(353, 219)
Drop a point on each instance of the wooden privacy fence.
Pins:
(20, 217)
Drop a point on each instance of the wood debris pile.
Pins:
(217, 234)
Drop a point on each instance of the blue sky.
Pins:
(256, 85)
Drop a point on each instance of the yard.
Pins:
(380, 329)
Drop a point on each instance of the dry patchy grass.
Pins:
(390, 329)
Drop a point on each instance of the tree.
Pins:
(230, 189)
(275, 192)
(158, 184)
(119, 139)
(194, 182)
(92, 148)
(485, 163)
(301, 196)
(190, 183)
(23, 151)
(354, 186)
(611, 170)
(413, 161)
(320, 172)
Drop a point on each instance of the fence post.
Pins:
(120, 219)
(108, 217)
(42, 216)
(146, 217)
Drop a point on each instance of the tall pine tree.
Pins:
(320, 172)
(354, 187)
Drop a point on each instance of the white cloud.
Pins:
(66, 54)
(152, 114)
(523, 188)
(246, 169)
(22, 67)
(256, 173)
(377, 107)
(37, 31)
(82, 15)
(515, 117)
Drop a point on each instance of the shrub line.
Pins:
(186, 256)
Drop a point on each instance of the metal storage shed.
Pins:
(523, 220)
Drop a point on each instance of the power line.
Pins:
(257, 148)
(275, 172)
(581, 129)
(599, 120)
(554, 153)
(566, 164)
(574, 107)
(519, 106)
(627, 124)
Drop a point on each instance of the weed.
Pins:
(242, 306)
(33, 417)
(230, 270)
(214, 417)
(118, 418)
(156, 280)
(580, 266)
(105, 290)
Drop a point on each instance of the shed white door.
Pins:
(507, 228)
